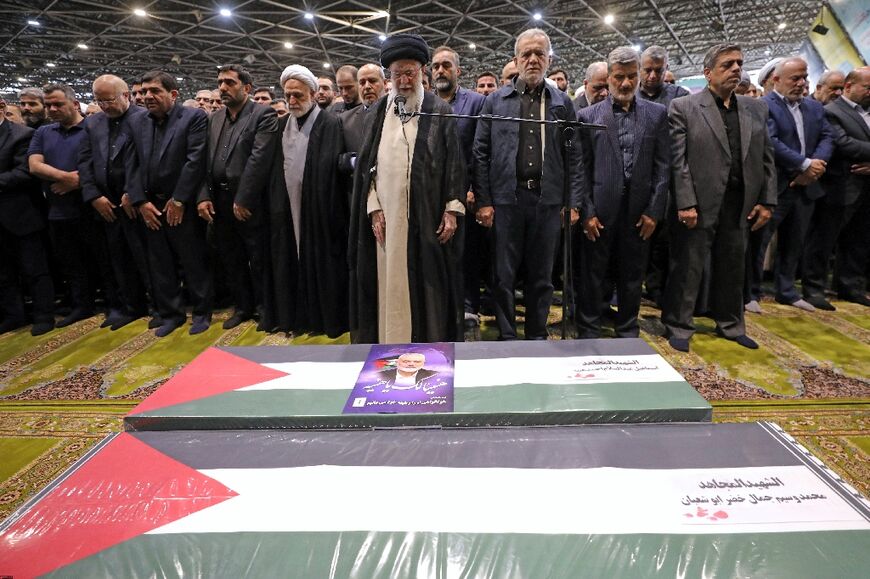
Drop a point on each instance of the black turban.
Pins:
(404, 46)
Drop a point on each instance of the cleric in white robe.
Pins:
(405, 271)
(306, 286)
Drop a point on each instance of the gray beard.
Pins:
(443, 85)
(413, 102)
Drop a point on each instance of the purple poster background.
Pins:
(407, 378)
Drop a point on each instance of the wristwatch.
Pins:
(176, 202)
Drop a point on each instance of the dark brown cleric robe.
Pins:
(434, 270)
(307, 291)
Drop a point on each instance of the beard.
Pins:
(443, 84)
(302, 111)
(413, 101)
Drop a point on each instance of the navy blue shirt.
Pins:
(59, 148)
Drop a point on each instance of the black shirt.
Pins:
(228, 134)
(115, 173)
(530, 160)
(154, 162)
(625, 121)
(731, 119)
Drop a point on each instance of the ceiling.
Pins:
(40, 39)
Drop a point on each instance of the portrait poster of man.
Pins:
(409, 378)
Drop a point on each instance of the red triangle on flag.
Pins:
(126, 489)
(212, 372)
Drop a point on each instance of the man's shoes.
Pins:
(10, 324)
(111, 318)
(122, 320)
(820, 303)
(860, 299)
(679, 344)
(742, 340)
(803, 305)
(168, 327)
(236, 319)
(40, 328)
(199, 324)
(155, 322)
(753, 307)
(76, 315)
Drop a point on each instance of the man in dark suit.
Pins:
(242, 136)
(594, 86)
(409, 372)
(102, 172)
(724, 179)
(518, 185)
(624, 194)
(371, 88)
(166, 174)
(802, 144)
(22, 251)
(843, 214)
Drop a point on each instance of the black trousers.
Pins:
(843, 228)
(475, 263)
(241, 247)
(126, 243)
(620, 244)
(81, 248)
(524, 237)
(180, 247)
(719, 248)
(791, 222)
(24, 257)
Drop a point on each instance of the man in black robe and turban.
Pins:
(305, 289)
(405, 277)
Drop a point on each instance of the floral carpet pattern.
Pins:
(63, 392)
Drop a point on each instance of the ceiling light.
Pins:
(326, 65)
(781, 26)
(472, 46)
(288, 45)
(309, 16)
(536, 15)
(226, 12)
(178, 78)
(609, 19)
(636, 47)
(33, 22)
(140, 12)
(82, 46)
(50, 64)
(22, 79)
(382, 37)
(382, 14)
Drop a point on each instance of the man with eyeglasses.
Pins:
(518, 185)
(408, 191)
(102, 172)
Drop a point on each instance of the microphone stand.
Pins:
(568, 130)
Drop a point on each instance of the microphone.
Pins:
(400, 108)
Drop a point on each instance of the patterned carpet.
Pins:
(62, 392)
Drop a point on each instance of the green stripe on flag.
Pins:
(518, 404)
(841, 554)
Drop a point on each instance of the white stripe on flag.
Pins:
(489, 372)
(540, 501)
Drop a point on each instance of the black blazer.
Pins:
(18, 188)
(852, 140)
(250, 155)
(95, 157)
(181, 170)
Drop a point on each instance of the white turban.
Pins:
(300, 73)
(767, 69)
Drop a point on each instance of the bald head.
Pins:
(857, 86)
(111, 95)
